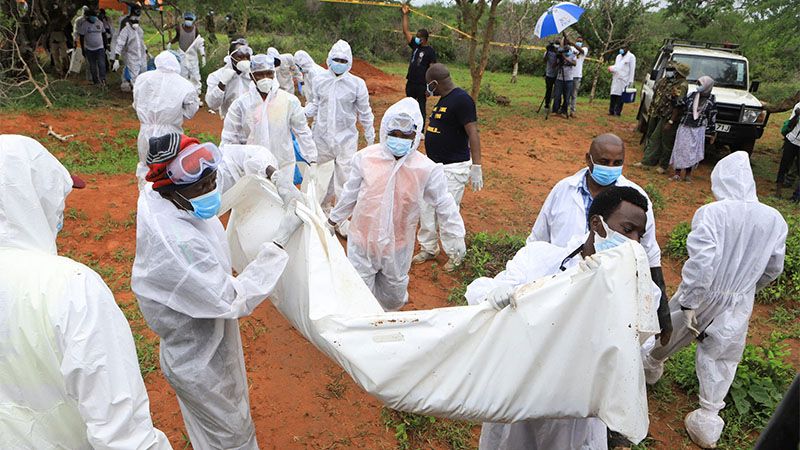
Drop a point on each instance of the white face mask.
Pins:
(243, 66)
(135, 26)
(264, 85)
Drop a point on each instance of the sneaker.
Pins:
(661, 170)
(423, 256)
(452, 264)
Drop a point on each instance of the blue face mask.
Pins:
(338, 68)
(92, 19)
(188, 23)
(417, 41)
(605, 175)
(621, 51)
(207, 205)
(612, 239)
(399, 146)
(579, 44)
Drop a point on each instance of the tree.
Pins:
(471, 12)
(608, 25)
(698, 14)
(518, 20)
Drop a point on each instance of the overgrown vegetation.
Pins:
(487, 254)
(115, 156)
(656, 198)
(418, 431)
(676, 243)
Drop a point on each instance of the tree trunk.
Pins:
(598, 70)
(783, 105)
(488, 34)
(515, 62)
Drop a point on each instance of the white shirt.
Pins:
(794, 135)
(563, 216)
(577, 72)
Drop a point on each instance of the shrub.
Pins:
(676, 244)
(487, 255)
(788, 283)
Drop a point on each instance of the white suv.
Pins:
(741, 117)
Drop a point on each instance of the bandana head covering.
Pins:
(164, 149)
(706, 84)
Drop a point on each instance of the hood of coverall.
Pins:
(407, 106)
(167, 62)
(341, 49)
(32, 194)
(303, 60)
(732, 178)
(287, 61)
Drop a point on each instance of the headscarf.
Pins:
(706, 84)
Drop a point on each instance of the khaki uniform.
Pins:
(57, 44)
(667, 92)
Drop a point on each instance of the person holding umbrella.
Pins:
(554, 21)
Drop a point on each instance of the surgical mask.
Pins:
(243, 66)
(612, 239)
(579, 44)
(670, 74)
(92, 19)
(264, 85)
(338, 68)
(135, 26)
(569, 53)
(605, 175)
(205, 206)
(429, 91)
(188, 23)
(399, 146)
(621, 51)
(417, 41)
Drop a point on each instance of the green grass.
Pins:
(655, 197)
(676, 243)
(115, 156)
(73, 93)
(418, 431)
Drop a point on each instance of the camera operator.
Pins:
(566, 59)
(551, 70)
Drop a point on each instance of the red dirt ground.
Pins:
(299, 398)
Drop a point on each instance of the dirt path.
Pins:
(299, 398)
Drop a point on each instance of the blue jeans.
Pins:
(97, 64)
(563, 92)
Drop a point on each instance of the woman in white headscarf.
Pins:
(699, 119)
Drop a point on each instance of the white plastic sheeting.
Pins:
(570, 347)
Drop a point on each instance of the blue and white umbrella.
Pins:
(557, 18)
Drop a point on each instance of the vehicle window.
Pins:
(726, 72)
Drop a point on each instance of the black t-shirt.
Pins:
(422, 56)
(446, 140)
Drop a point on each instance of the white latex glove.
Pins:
(289, 225)
(500, 297)
(115, 66)
(589, 264)
(287, 191)
(70, 50)
(203, 61)
(476, 177)
(226, 75)
(690, 320)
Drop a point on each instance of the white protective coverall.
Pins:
(130, 45)
(219, 100)
(736, 247)
(309, 70)
(69, 376)
(384, 194)
(191, 62)
(287, 72)
(623, 73)
(270, 123)
(337, 101)
(563, 216)
(182, 280)
(162, 99)
(537, 260)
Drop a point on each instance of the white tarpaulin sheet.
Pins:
(570, 347)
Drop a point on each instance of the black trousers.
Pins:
(791, 153)
(549, 82)
(417, 92)
(615, 105)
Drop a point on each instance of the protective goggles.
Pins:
(403, 123)
(192, 161)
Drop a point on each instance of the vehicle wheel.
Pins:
(642, 126)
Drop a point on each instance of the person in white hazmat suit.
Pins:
(163, 99)
(616, 215)
(69, 376)
(130, 45)
(565, 211)
(339, 97)
(183, 283)
(736, 247)
(308, 69)
(623, 74)
(286, 73)
(267, 116)
(193, 59)
(231, 81)
(386, 185)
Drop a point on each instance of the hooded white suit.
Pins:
(130, 45)
(162, 99)
(309, 70)
(69, 376)
(219, 100)
(383, 194)
(736, 247)
(338, 100)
